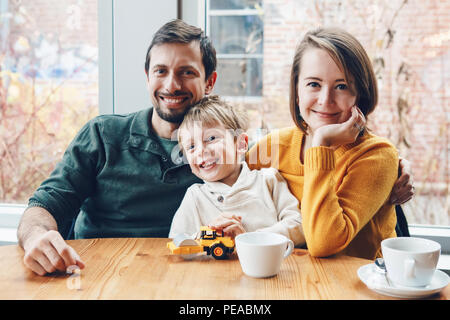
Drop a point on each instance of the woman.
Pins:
(341, 174)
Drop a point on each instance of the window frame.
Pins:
(122, 46)
(10, 215)
(234, 12)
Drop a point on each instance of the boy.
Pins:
(233, 198)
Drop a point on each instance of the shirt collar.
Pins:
(242, 182)
(141, 123)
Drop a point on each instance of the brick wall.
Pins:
(73, 21)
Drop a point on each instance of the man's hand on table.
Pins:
(48, 252)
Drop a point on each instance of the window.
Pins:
(48, 87)
(48, 77)
(236, 30)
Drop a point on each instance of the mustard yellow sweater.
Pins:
(343, 194)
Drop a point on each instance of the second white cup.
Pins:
(410, 261)
(261, 253)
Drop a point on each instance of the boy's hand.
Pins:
(229, 224)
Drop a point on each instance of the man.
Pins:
(119, 176)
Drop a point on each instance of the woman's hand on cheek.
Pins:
(335, 135)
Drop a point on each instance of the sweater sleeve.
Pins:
(333, 211)
(187, 219)
(288, 214)
(260, 155)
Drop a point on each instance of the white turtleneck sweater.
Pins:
(260, 197)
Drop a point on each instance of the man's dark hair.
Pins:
(178, 31)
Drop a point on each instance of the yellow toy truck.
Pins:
(211, 241)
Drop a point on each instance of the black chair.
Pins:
(401, 227)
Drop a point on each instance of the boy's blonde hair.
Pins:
(211, 110)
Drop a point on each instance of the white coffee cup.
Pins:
(410, 261)
(261, 253)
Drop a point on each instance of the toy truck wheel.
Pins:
(218, 251)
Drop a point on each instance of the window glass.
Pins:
(237, 34)
(239, 77)
(235, 4)
(236, 28)
(48, 87)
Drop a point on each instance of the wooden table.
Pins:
(137, 268)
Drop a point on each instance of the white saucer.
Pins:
(377, 282)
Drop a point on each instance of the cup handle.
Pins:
(290, 247)
(409, 267)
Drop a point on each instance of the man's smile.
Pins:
(174, 100)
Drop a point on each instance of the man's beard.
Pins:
(175, 116)
(172, 118)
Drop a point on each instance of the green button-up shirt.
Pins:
(117, 179)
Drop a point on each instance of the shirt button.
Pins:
(164, 158)
(220, 198)
(135, 141)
